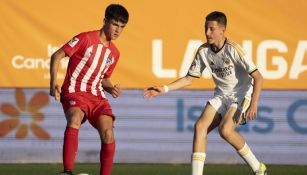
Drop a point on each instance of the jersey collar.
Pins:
(211, 47)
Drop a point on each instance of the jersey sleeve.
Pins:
(74, 44)
(248, 64)
(197, 67)
(245, 60)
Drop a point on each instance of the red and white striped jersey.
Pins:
(90, 61)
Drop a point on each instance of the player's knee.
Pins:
(107, 136)
(74, 117)
(74, 122)
(200, 128)
(225, 132)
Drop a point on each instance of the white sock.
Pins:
(197, 162)
(249, 157)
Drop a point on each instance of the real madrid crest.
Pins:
(226, 60)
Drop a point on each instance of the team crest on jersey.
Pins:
(73, 41)
(226, 60)
(109, 61)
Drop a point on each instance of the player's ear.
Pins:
(223, 28)
(105, 21)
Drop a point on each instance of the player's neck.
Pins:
(218, 45)
(103, 38)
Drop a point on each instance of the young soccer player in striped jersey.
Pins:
(238, 85)
(93, 57)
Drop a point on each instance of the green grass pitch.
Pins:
(147, 169)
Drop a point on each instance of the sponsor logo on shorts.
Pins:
(72, 102)
(103, 111)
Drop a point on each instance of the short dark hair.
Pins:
(117, 12)
(219, 17)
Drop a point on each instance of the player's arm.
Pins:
(178, 84)
(56, 57)
(107, 85)
(251, 113)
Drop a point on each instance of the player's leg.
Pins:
(227, 129)
(208, 120)
(74, 117)
(228, 132)
(104, 127)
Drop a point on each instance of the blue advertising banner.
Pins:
(159, 130)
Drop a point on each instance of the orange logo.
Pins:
(18, 117)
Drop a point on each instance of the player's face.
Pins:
(214, 32)
(113, 29)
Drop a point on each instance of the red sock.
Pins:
(106, 158)
(70, 147)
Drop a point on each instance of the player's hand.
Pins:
(251, 113)
(115, 91)
(152, 92)
(55, 91)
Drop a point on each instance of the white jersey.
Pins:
(230, 68)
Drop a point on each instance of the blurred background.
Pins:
(157, 47)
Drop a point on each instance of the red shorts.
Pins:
(91, 105)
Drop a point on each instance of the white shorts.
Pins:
(221, 103)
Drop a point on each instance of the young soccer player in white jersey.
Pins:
(238, 85)
(93, 57)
